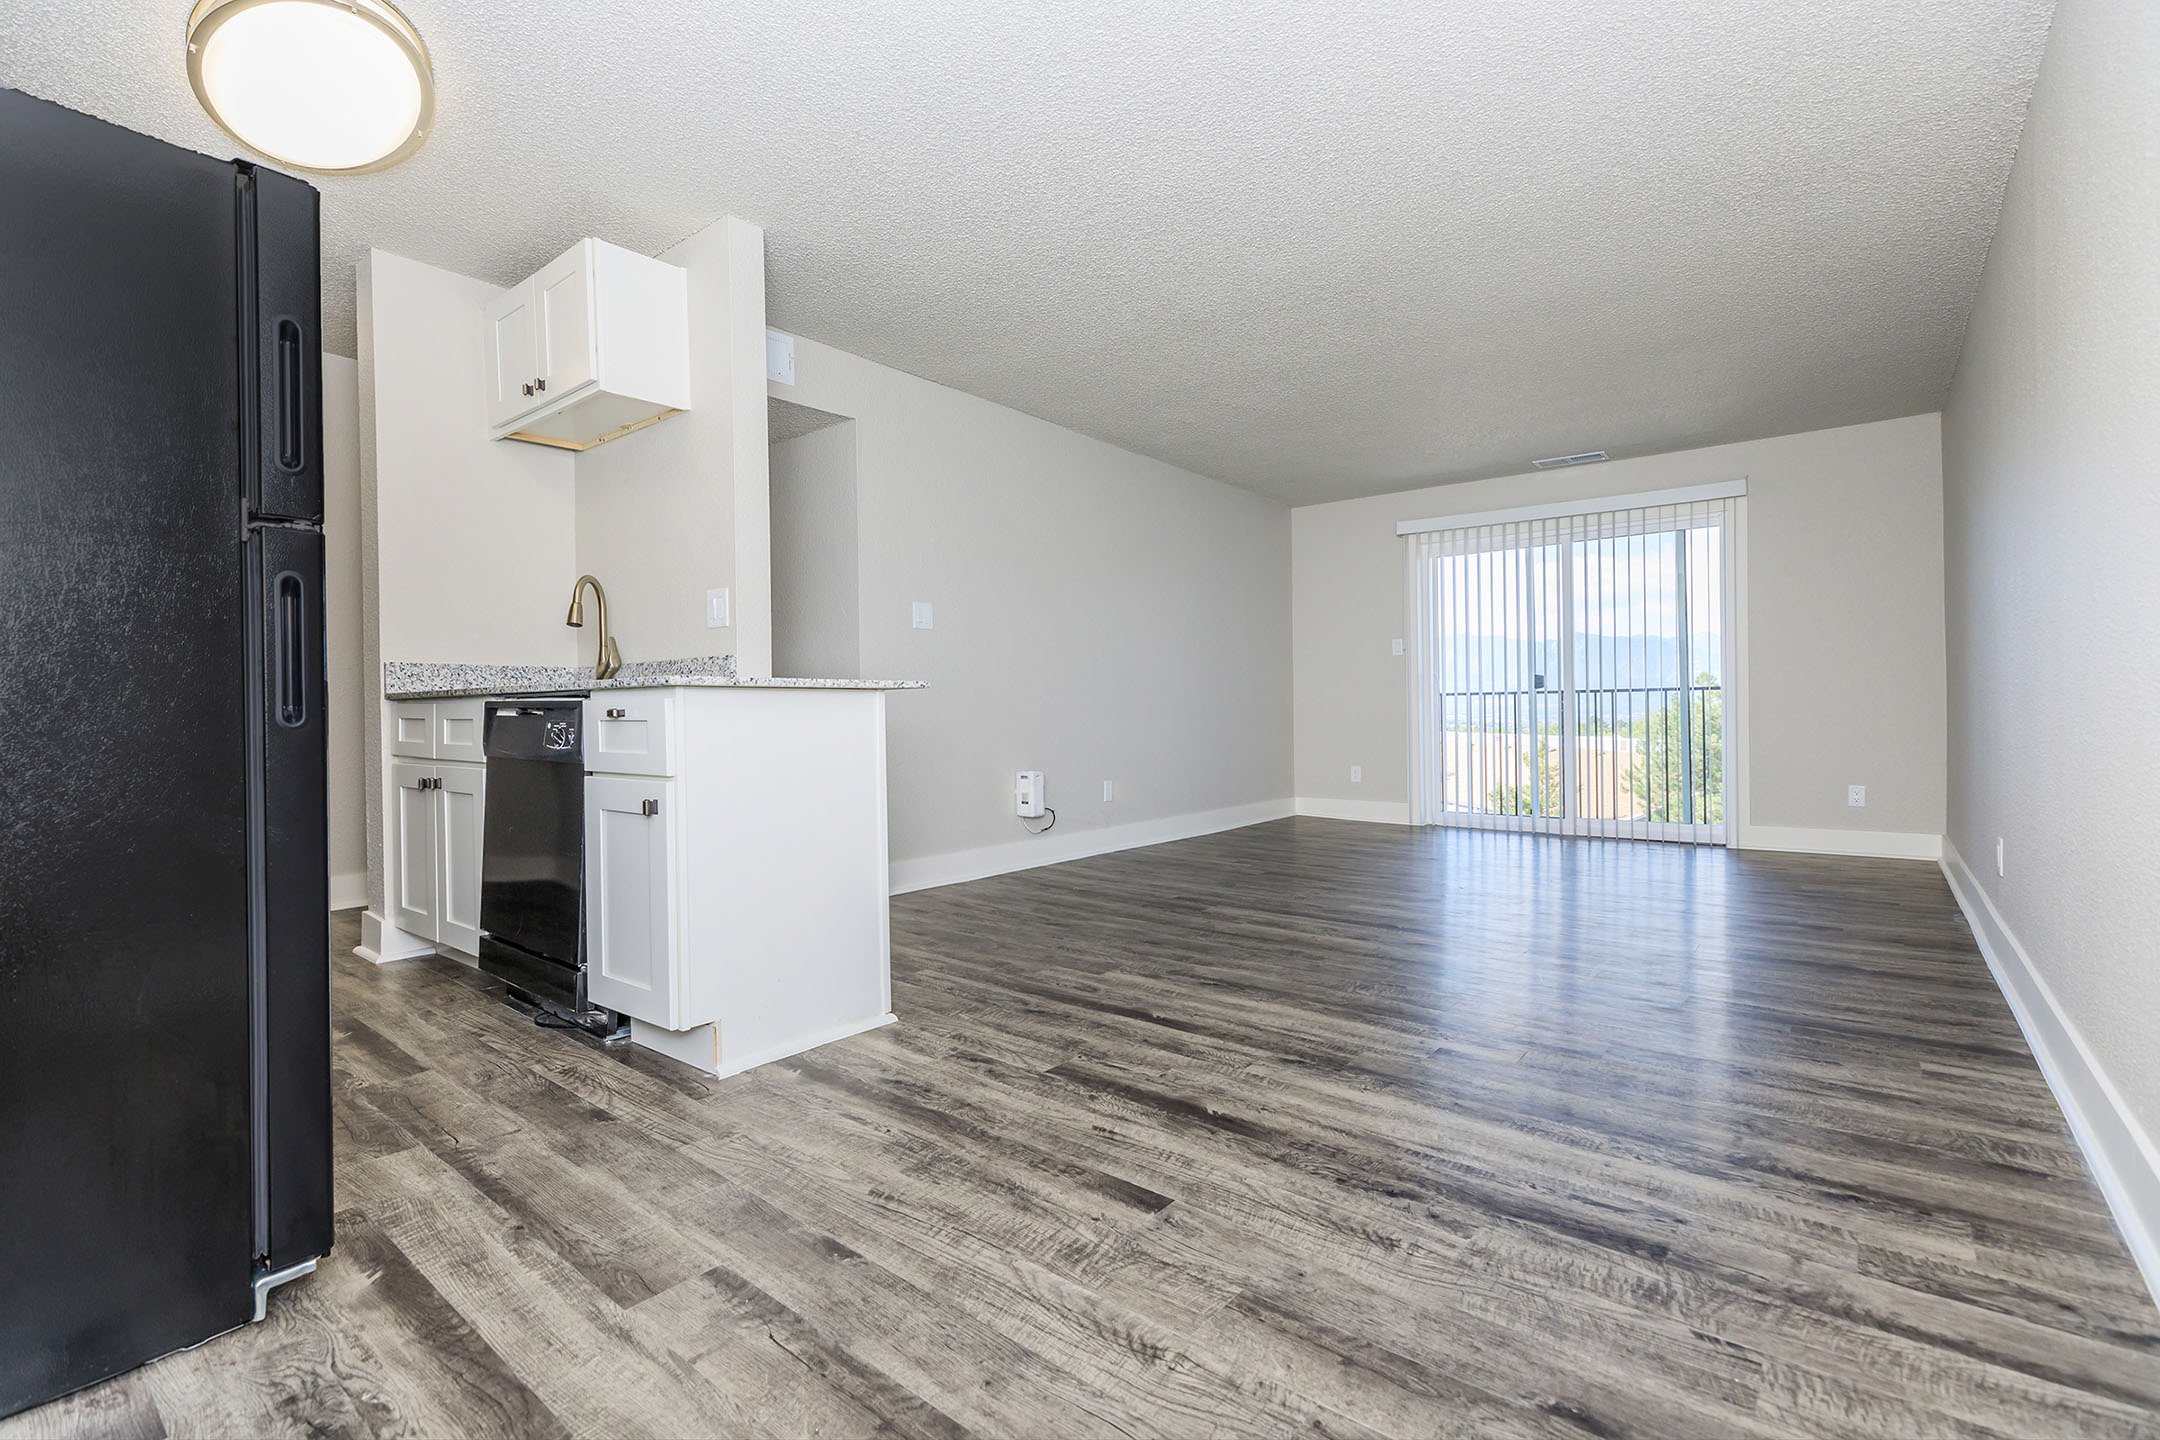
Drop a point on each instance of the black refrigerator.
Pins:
(164, 907)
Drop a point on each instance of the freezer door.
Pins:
(290, 898)
(124, 1078)
(284, 304)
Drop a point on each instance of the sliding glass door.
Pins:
(1570, 672)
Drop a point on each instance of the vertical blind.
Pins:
(1569, 672)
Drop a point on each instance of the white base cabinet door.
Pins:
(434, 865)
(415, 871)
(630, 897)
(459, 793)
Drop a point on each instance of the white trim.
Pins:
(1801, 840)
(929, 871)
(2121, 1154)
(348, 892)
(1738, 696)
(810, 1042)
(1561, 509)
(382, 943)
(1377, 812)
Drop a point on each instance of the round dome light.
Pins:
(331, 85)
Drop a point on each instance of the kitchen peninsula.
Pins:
(734, 843)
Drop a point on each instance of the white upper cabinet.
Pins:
(563, 305)
(594, 346)
(513, 343)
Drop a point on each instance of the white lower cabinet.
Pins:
(735, 868)
(415, 872)
(630, 885)
(458, 791)
(436, 832)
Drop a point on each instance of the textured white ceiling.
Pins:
(1316, 249)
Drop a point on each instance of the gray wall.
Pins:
(816, 603)
(668, 512)
(341, 609)
(2053, 544)
(1097, 616)
(467, 545)
(1845, 626)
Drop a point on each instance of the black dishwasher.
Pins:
(532, 864)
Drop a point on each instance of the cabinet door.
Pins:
(513, 340)
(563, 300)
(414, 876)
(460, 794)
(459, 726)
(412, 729)
(630, 897)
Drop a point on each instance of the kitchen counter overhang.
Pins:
(427, 680)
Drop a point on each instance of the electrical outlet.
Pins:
(1999, 856)
(922, 615)
(1109, 791)
(716, 609)
(1856, 795)
(1395, 647)
(1028, 794)
(1357, 774)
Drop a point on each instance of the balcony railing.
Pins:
(1642, 752)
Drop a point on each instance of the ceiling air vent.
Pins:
(1557, 462)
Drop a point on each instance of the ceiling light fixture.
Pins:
(332, 85)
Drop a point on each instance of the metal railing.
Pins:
(1672, 736)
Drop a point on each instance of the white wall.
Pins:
(341, 616)
(2053, 547)
(670, 511)
(1097, 616)
(468, 545)
(1845, 628)
(816, 578)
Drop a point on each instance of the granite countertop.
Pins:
(422, 680)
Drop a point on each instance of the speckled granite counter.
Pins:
(419, 680)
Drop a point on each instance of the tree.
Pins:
(1540, 782)
(1658, 779)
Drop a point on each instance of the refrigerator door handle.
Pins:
(289, 663)
(292, 448)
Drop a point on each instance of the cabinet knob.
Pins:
(651, 807)
(540, 385)
(618, 714)
(528, 388)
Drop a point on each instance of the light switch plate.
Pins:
(922, 614)
(716, 608)
(1109, 791)
(1395, 647)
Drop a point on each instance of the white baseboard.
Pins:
(827, 1036)
(348, 892)
(931, 871)
(1379, 812)
(698, 1047)
(2121, 1154)
(382, 943)
(1881, 844)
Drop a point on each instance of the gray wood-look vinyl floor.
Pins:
(1313, 1127)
